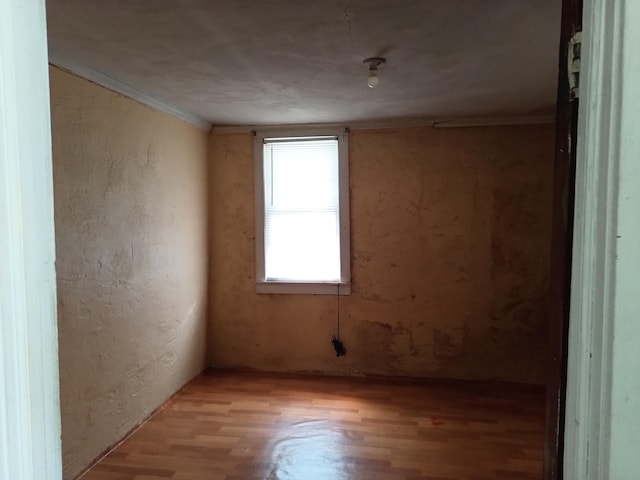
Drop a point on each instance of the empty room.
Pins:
(303, 240)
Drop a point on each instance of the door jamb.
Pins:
(30, 446)
(590, 347)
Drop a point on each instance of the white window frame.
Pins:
(343, 287)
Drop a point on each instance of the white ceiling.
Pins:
(241, 62)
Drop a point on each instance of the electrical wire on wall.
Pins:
(338, 346)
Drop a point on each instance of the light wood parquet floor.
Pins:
(237, 426)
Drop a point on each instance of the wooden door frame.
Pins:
(602, 391)
(30, 446)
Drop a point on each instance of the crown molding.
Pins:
(442, 122)
(461, 122)
(63, 62)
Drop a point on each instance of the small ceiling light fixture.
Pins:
(374, 63)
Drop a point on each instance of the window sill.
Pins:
(311, 288)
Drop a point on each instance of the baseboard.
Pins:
(364, 378)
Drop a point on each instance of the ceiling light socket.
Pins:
(373, 63)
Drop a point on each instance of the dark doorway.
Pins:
(562, 237)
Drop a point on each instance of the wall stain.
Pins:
(450, 233)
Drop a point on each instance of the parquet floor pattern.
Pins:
(238, 426)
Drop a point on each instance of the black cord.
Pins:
(338, 312)
(337, 344)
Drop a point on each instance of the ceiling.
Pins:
(241, 62)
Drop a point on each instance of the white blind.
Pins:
(302, 228)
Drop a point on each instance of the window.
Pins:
(302, 212)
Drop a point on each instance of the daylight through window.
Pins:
(303, 221)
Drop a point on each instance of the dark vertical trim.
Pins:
(561, 248)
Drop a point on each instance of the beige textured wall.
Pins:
(130, 212)
(450, 232)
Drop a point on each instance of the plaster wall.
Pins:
(131, 234)
(450, 238)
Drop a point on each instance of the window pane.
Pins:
(302, 246)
